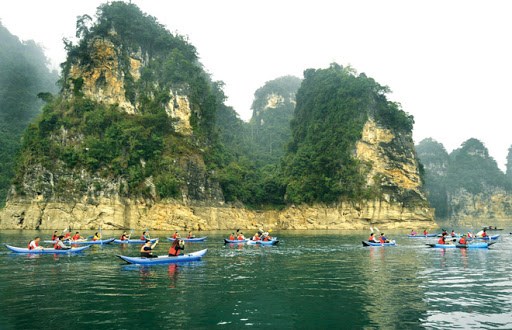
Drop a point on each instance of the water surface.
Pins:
(310, 280)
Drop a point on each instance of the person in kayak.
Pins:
(96, 236)
(256, 237)
(413, 232)
(442, 240)
(67, 236)
(232, 237)
(372, 238)
(240, 236)
(463, 240)
(190, 235)
(453, 233)
(145, 250)
(34, 244)
(175, 248)
(175, 235)
(383, 239)
(484, 233)
(76, 237)
(54, 236)
(60, 244)
(124, 237)
(425, 232)
(144, 236)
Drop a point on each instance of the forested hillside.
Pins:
(23, 75)
(465, 183)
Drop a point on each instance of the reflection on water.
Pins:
(312, 280)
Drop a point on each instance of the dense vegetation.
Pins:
(249, 161)
(468, 168)
(23, 75)
(333, 105)
(103, 139)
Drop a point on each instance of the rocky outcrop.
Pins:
(117, 213)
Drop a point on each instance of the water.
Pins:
(311, 280)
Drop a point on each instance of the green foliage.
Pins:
(469, 168)
(332, 107)
(509, 163)
(24, 74)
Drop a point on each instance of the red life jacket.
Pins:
(240, 238)
(56, 246)
(54, 237)
(75, 237)
(29, 246)
(371, 239)
(462, 241)
(67, 235)
(123, 238)
(256, 238)
(142, 238)
(175, 236)
(441, 241)
(484, 234)
(266, 239)
(231, 237)
(173, 251)
(381, 240)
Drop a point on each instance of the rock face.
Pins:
(466, 187)
(117, 213)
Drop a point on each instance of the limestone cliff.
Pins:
(466, 187)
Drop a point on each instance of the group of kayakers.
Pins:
(58, 243)
(382, 238)
(260, 235)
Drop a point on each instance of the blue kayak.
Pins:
(462, 246)
(235, 241)
(368, 243)
(46, 250)
(85, 242)
(134, 241)
(271, 242)
(422, 236)
(487, 238)
(193, 239)
(194, 256)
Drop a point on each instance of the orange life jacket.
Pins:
(240, 238)
(441, 241)
(462, 241)
(173, 251)
(30, 247)
(231, 237)
(56, 246)
(75, 237)
(67, 235)
(175, 236)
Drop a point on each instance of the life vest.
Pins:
(174, 251)
(123, 238)
(266, 239)
(484, 234)
(30, 245)
(67, 235)
(425, 232)
(240, 238)
(142, 238)
(76, 237)
(54, 237)
(56, 246)
(95, 238)
(256, 238)
(175, 236)
(231, 237)
(462, 241)
(382, 240)
(441, 241)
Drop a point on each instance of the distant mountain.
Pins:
(23, 75)
(466, 185)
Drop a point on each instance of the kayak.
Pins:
(194, 239)
(368, 243)
(194, 256)
(236, 241)
(492, 238)
(422, 236)
(271, 242)
(46, 251)
(86, 242)
(134, 241)
(449, 235)
(462, 246)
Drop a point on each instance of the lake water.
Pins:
(310, 280)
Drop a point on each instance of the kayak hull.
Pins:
(235, 241)
(487, 238)
(46, 251)
(190, 240)
(368, 243)
(272, 242)
(422, 236)
(162, 260)
(102, 241)
(134, 241)
(461, 246)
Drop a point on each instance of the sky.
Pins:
(448, 63)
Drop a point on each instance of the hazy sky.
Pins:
(449, 63)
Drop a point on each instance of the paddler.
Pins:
(124, 237)
(60, 244)
(145, 250)
(96, 236)
(175, 248)
(441, 240)
(372, 238)
(383, 239)
(34, 244)
(463, 240)
(76, 237)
